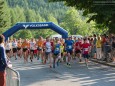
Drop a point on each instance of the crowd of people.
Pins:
(56, 50)
(62, 50)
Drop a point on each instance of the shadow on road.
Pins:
(95, 75)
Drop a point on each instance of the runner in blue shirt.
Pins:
(69, 49)
(56, 52)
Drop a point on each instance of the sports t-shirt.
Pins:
(62, 48)
(19, 45)
(57, 48)
(40, 43)
(32, 45)
(8, 46)
(85, 47)
(69, 44)
(52, 45)
(77, 46)
(48, 46)
(25, 45)
(14, 44)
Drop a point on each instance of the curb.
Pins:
(104, 63)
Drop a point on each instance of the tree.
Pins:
(30, 15)
(25, 34)
(74, 23)
(4, 16)
(51, 18)
(103, 12)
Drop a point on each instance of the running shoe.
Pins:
(53, 65)
(15, 58)
(57, 63)
(50, 66)
(37, 58)
(69, 65)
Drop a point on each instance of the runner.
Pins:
(48, 51)
(40, 48)
(62, 49)
(69, 50)
(19, 53)
(25, 46)
(8, 47)
(36, 49)
(77, 48)
(14, 48)
(86, 51)
(32, 48)
(56, 53)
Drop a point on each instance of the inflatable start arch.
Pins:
(36, 25)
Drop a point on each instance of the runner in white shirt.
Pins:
(32, 48)
(8, 47)
(48, 50)
(14, 48)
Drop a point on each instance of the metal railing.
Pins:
(12, 77)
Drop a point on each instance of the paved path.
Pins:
(36, 74)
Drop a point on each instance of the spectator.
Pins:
(99, 46)
(113, 49)
(94, 46)
(3, 62)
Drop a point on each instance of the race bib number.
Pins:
(70, 47)
(85, 49)
(40, 47)
(57, 49)
(25, 47)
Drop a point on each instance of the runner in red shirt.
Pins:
(86, 51)
(77, 48)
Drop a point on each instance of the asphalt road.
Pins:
(36, 74)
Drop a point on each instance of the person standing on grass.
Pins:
(3, 62)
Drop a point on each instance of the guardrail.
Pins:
(12, 77)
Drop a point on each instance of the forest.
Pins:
(13, 11)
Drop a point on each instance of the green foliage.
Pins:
(40, 7)
(36, 11)
(41, 11)
(74, 23)
(102, 12)
(4, 16)
(51, 18)
(25, 34)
